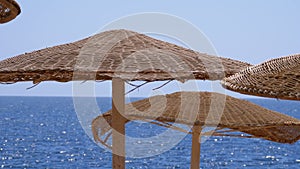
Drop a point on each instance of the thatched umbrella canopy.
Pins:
(277, 78)
(147, 58)
(237, 116)
(9, 10)
(117, 55)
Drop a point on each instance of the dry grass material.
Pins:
(277, 78)
(9, 9)
(117, 53)
(229, 115)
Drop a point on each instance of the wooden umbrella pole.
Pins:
(195, 155)
(118, 124)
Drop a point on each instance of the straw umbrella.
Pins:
(238, 115)
(117, 55)
(276, 78)
(9, 10)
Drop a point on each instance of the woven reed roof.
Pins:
(9, 9)
(205, 108)
(277, 78)
(116, 53)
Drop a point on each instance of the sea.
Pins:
(44, 132)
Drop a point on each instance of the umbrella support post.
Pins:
(118, 124)
(195, 155)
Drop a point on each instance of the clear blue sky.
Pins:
(249, 30)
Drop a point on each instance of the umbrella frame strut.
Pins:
(196, 146)
(118, 123)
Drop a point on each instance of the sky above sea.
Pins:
(250, 31)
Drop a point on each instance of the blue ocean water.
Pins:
(44, 132)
